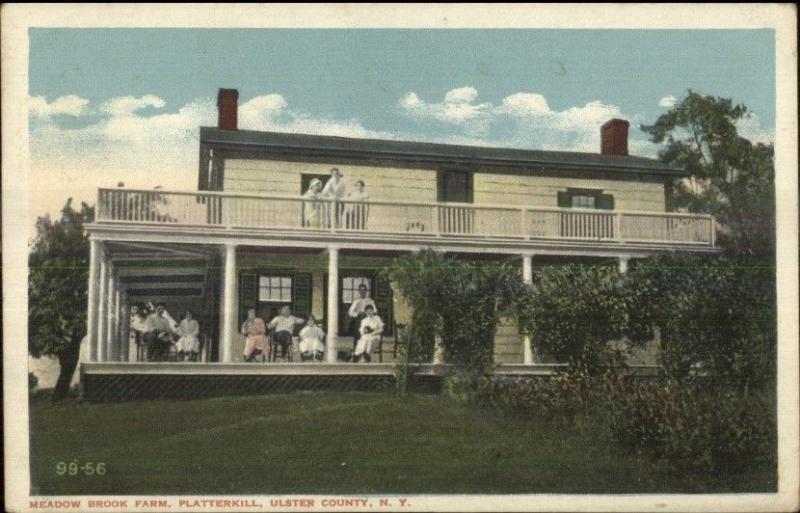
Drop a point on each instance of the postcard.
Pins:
(400, 258)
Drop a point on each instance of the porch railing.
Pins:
(257, 211)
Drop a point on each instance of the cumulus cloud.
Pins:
(522, 120)
(70, 105)
(128, 105)
(750, 128)
(667, 102)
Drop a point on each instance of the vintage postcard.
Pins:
(400, 258)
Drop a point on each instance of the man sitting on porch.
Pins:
(371, 330)
(157, 338)
(357, 311)
(283, 328)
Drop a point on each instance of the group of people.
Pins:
(160, 338)
(318, 212)
(365, 322)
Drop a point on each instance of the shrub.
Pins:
(693, 426)
(33, 381)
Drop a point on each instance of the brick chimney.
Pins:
(228, 109)
(614, 137)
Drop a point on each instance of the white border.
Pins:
(16, 19)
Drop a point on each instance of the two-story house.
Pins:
(250, 238)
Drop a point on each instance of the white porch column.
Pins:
(438, 350)
(91, 309)
(116, 341)
(229, 301)
(102, 311)
(623, 264)
(125, 329)
(333, 304)
(527, 277)
(111, 315)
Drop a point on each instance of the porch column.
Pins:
(229, 302)
(623, 264)
(333, 303)
(94, 285)
(116, 347)
(111, 315)
(527, 278)
(125, 329)
(102, 311)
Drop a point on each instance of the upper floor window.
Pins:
(585, 198)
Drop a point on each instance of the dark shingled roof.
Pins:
(251, 140)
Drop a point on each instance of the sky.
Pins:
(111, 105)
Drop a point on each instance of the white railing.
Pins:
(257, 211)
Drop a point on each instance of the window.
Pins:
(275, 289)
(305, 181)
(585, 198)
(583, 201)
(350, 287)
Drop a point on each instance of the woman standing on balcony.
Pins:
(355, 214)
(312, 207)
(334, 191)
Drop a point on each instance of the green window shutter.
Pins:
(384, 302)
(248, 294)
(605, 201)
(564, 199)
(301, 294)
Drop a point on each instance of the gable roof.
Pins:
(424, 152)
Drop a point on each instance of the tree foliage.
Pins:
(573, 311)
(731, 177)
(57, 292)
(458, 300)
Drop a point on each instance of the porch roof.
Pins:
(428, 153)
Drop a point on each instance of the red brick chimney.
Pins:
(614, 137)
(228, 109)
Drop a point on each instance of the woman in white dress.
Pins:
(188, 345)
(311, 341)
(312, 206)
(355, 213)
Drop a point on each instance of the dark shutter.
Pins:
(605, 202)
(248, 294)
(301, 294)
(383, 300)
(564, 199)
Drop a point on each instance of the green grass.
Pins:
(338, 443)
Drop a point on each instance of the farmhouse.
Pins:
(252, 237)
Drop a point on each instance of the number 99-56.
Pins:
(73, 468)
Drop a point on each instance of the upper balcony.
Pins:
(395, 222)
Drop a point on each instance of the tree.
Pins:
(730, 176)
(573, 311)
(57, 292)
(458, 300)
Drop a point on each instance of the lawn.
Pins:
(307, 443)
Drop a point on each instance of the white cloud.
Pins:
(750, 128)
(70, 105)
(667, 102)
(127, 105)
(521, 120)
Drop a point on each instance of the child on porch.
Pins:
(311, 341)
(256, 341)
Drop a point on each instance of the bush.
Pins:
(33, 381)
(696, 427)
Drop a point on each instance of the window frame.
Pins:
(281, 276)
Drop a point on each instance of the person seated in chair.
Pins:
(256, 341)
(283, 328)
(158, 335)
(357, 312)
(370, 330)
(188, 344)
(311, 341)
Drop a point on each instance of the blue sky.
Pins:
(124, 104)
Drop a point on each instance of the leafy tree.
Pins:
(716, 315)
(57, 293)
(460, 301)
(731, 177)
(574, 311)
